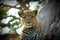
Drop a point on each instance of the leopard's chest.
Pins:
(29, 31)
(30, 34)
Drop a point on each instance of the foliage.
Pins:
(3, 15)
(3, 12)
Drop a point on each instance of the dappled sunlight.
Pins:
(20, 30)
(10, 20)
(13, 12)
(5, 21)
(33, 5)
(16, 20)
(18, 6)
(5, 30)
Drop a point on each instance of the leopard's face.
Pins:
(28, 16)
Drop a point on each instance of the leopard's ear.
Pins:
(20, 13)
(35, 11)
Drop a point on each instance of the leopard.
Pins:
(30, 29)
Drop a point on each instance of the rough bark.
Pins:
(49, 13)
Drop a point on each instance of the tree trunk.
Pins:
(48, 14)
